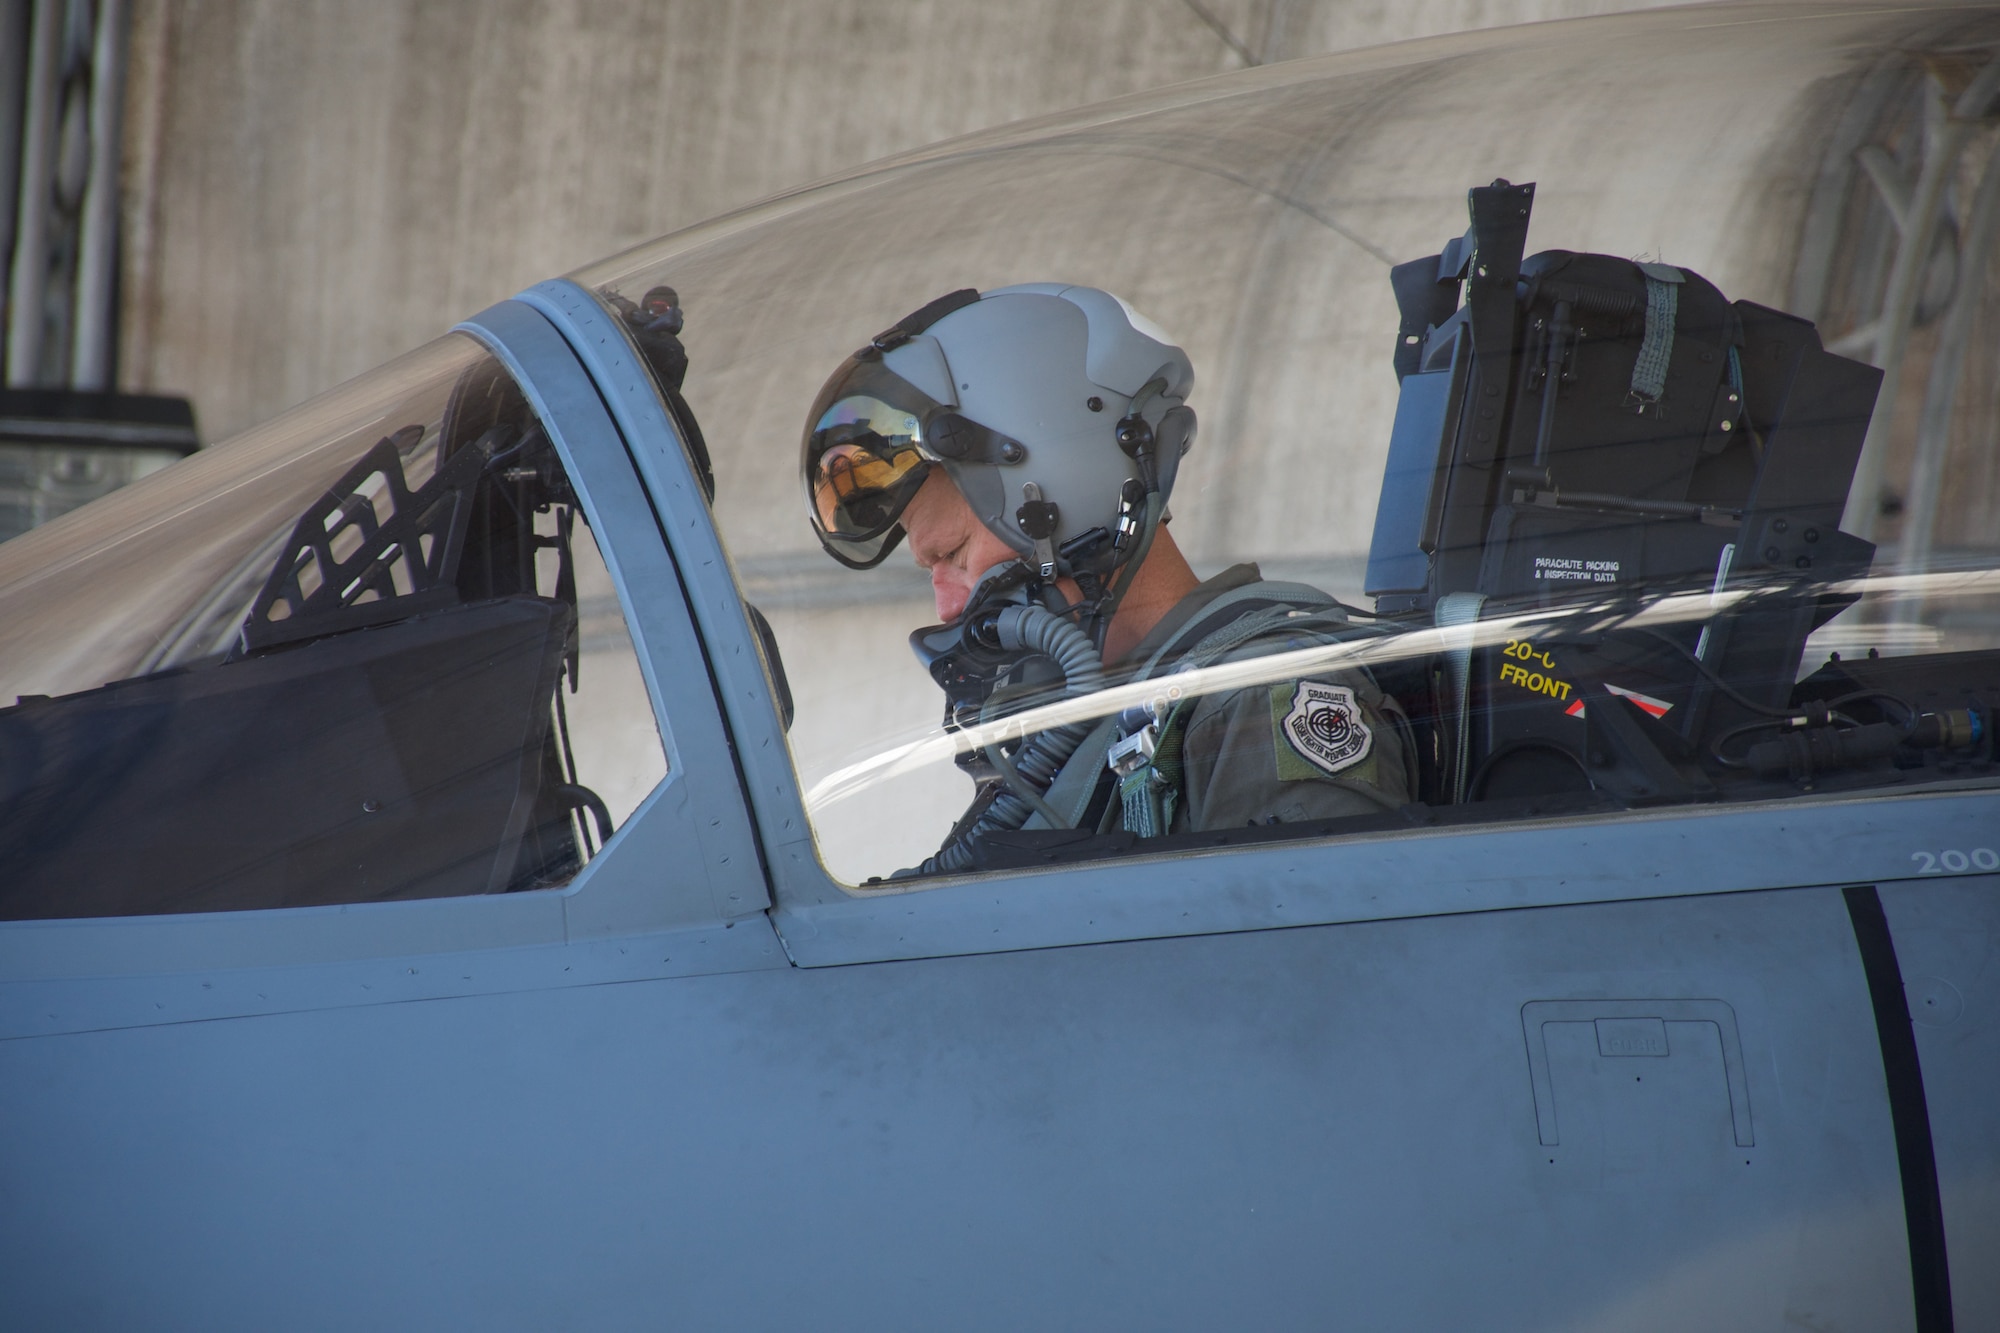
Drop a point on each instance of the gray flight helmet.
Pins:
(1058, 411)
(1061, 368)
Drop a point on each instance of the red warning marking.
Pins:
(1657, 707)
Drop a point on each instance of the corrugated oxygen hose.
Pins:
(1035, 630)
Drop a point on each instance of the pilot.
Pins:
(1025, 442)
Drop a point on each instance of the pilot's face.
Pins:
(949, 540)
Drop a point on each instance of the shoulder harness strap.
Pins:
(1149, 772)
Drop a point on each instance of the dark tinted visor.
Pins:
(864, 459)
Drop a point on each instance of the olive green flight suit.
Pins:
(1296, 750)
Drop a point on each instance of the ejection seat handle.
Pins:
(1455, 615)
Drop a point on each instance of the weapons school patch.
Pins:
(1323, 726)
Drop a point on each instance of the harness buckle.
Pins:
(1134, 752)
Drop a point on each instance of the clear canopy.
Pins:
(1834, 163)
(1688, 495)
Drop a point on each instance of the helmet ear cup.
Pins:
(1174, 436)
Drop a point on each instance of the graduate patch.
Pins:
(1324, 727)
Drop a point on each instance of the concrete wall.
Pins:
(316, 185)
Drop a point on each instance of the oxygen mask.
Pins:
(966, 657)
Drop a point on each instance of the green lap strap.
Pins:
(1649, 372)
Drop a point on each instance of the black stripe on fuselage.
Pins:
(1923, 1210)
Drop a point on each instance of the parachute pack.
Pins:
(1582, 430)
